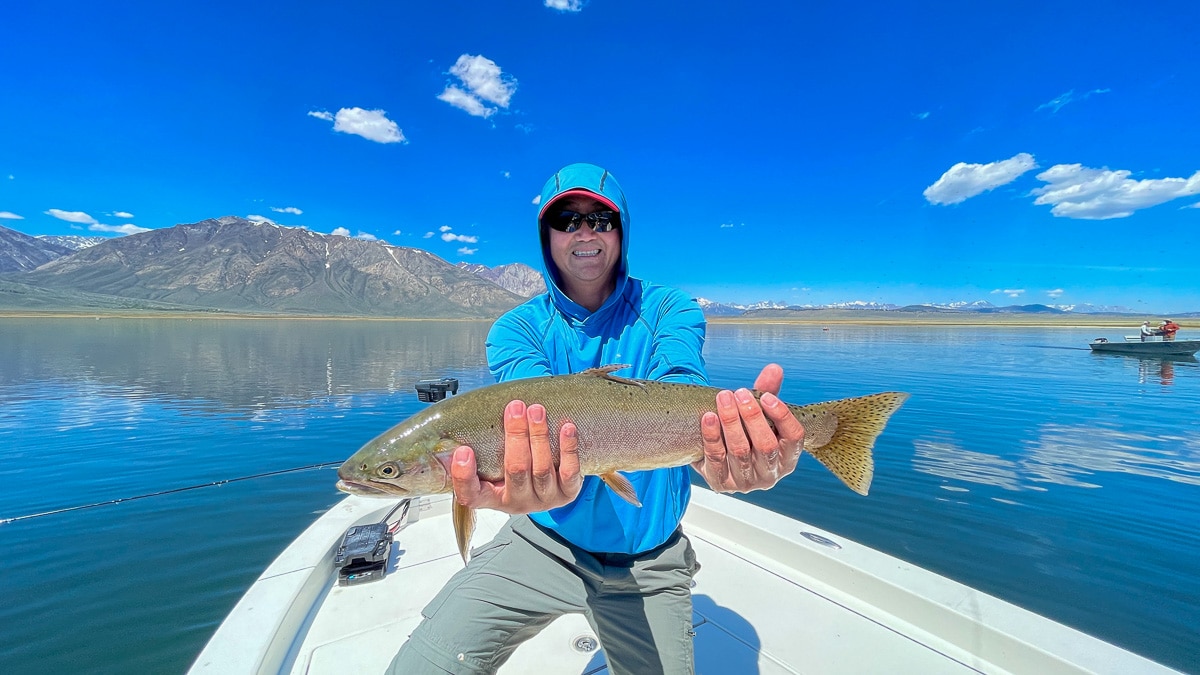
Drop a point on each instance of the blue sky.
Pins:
(1023, 152)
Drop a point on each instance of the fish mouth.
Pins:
(368, 490)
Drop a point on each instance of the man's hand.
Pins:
(741, 451)
(531, 482)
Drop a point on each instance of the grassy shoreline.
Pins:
(1129, 323)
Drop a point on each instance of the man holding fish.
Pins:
(607, 545)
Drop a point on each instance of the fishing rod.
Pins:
(322, 465)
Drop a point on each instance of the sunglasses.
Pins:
(569, 221)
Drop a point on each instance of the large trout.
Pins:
(623, 425)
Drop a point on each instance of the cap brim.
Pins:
(578, 193)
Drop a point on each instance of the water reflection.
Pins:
(1072, 455)
(243, 364)
(1157, 369)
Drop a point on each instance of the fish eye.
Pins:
(389, 470)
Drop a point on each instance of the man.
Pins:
(582, 548)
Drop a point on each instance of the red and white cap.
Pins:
(578, 192)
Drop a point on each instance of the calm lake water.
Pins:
(1024, 465)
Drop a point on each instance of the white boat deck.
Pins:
(770, 598)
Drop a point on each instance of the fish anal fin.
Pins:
(621, 485)
(464, 526)
(606, 372)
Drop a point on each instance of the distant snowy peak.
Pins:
(713, 308)
(72, 241)
(978, 304)
(1085, 308)
(860, 304)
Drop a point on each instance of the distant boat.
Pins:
(1151, 346)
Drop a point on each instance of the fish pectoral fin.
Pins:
(464, 526)
(606, 372)
(621, 485)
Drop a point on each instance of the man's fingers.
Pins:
(770, 379)
(570, 478)
(761, 435)
(788, 429)
(517, 459)
(713, 466)
(545, 482)
(465, 479)
(737, 445)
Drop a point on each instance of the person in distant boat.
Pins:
(573, 545)
(1147, 331)
(1169, 328)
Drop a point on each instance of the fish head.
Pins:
(405, 461)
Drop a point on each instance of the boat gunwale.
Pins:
(964, 624)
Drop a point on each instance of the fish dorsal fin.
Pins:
(464, 525)
(621, 485)
(606, 372)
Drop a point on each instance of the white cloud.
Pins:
(340, 232)
(467, 251)
(428, 235)
(922, 116)
(1078, 456)
(464, 238)
(464, 101)
(366, 236)
(506, 174)
(1076, 191)
(259, 219)
(484, 81)
(1010, 292)
(396, 233)
(538, 200)
(9, 215)
(964, 181)
(322, 115)
(121, 214)
(127, 228)
(565, 5)
(372, 125)
(72, 216)
(1069, 97)
(445, 228)
(287, 209)
(1056, 293)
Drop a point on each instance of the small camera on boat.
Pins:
(431, 391)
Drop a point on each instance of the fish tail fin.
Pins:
(844, 431)
(464, 526)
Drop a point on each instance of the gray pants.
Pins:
(640, 606)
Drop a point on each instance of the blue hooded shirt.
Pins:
(658, 330)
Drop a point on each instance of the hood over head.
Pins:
(595, 182)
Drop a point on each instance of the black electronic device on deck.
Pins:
(363, 554)
(431, 391)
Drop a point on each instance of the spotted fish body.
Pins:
(623, 425)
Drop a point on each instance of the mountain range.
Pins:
(235, 265)
(231, 264)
